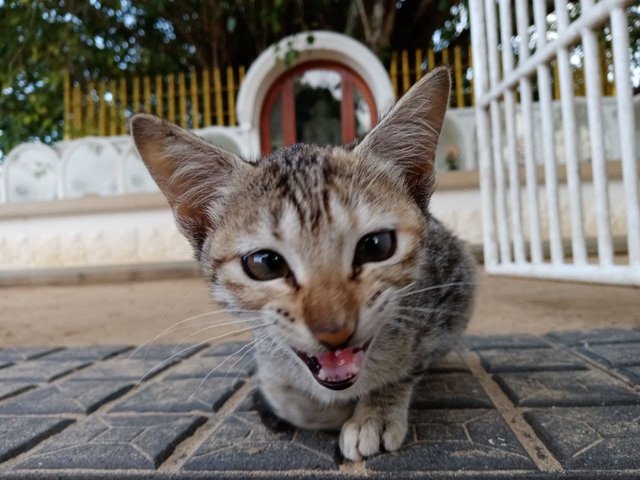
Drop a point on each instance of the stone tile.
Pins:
(39, 370)
(614, 355)
(451, 362)
(632, 373)
(208, 367)
(455, 440)
(67, 397)
(224, 349)
(450, 390)
(14, 354)
(164, 351)
(179, 396)
(567, 388)
(529, 360)
(8, 390)
(243, 443)
(603, 438)
(94, 353)
(115, 442)
(596, 336)
(18, 434)
(122, 369)
(503, 341)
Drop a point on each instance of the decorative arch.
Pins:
(330, 47)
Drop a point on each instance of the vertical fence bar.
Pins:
(231, 96)
(547, 136)
(431, 59)
(626, 126)
(113, 120)
(565, 81)
(241, 72)
(159, 97)
(476, 11)
(67, 105)
(418, 59)
(123, 106)
(136, 94)
(526, 100)
(182, 98)
(603, 68)
(206, 98)
(457, 63)
(506, 33)
(406, 82)
(77, 110)
(171, 98)
(195, 108)
(504, 245)
(393, 73)
(90, 109)
(556, 81)
(472, 82)
(146, 81)
(217, 91)
(102, 110)
(596, 128)
(445, 56)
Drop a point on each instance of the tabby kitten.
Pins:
(332, 256)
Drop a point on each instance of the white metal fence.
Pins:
(524, 232)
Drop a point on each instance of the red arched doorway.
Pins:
(319, 102)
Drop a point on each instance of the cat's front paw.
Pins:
(366, 432)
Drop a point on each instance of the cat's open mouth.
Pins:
(336, 370)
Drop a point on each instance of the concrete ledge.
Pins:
(99, 274)
(83, 206)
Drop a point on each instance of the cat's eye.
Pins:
(375, 247)
(265, 265)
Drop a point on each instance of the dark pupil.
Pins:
(375, 247)
(265, 265)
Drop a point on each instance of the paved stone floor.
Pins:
(566, 405)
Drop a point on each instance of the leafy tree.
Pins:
(104, 39)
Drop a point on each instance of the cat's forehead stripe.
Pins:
(303, 178)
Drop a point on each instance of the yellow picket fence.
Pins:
(202, 98)
(192, 100)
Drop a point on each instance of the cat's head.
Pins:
(310, 244)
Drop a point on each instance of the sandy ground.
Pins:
(136, 312)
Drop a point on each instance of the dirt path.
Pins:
(135, 312)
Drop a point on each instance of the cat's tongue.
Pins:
(340, 365)
(338, 369)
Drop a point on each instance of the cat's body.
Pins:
(331, 256)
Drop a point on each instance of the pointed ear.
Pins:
(407, 137)
(191, 173)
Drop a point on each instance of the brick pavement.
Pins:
(562, 406)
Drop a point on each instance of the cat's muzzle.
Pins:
(337, 369)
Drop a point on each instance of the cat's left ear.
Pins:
(407, 137)
(191, 173)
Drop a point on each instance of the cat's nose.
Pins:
(335, 339)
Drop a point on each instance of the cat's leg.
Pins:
(379, 420)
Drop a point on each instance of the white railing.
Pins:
(520, 237)
(90, 166)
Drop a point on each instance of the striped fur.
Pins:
(312, 204)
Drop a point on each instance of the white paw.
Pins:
(363, 435)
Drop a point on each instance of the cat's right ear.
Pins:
(190, 172)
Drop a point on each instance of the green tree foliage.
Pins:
(104, 39)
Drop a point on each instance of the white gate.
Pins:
(535, 216)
